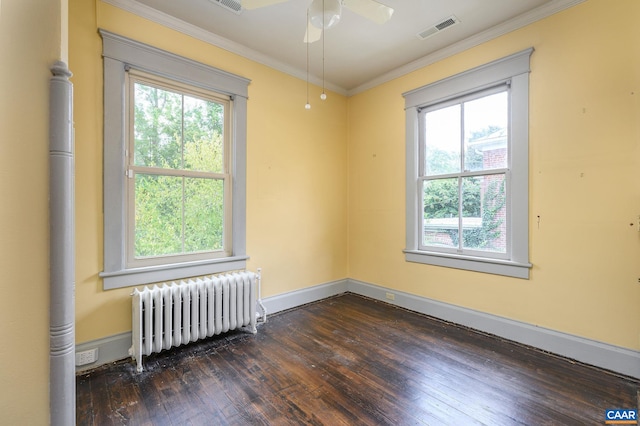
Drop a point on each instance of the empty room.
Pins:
(320, 212)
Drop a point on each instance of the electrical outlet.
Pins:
(86, 357)
(391, 296)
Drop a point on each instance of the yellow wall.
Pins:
(585, 153)
(584, 163)
(32, 38)
(296, 192)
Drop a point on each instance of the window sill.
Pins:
(176, 271)
(469, 263)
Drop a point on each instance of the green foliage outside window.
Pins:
(177, 212)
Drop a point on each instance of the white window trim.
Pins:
(514, 69)
(120, 54)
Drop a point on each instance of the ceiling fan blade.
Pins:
(370, 9)
(254, 4)
(312, 34)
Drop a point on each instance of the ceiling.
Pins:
(358, 53)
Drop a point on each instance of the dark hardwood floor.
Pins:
(350, 360)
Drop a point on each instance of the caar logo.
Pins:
(621, 416)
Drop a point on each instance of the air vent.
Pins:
(435, 29)
(232, 5)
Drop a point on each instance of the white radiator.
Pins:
(176, 314)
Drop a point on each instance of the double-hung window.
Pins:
(174, 166)
(178, 186)
(467, 170)
(464, 154)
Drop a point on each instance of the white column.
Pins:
(62, 386)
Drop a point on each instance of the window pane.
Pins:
(486, 132)
(484, 213)
(441, 212)
(157, 127)
(203, 214)
(442, 138)
(203, 135)
(158, 215)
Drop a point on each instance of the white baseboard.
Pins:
(285, 301)
(620, 360)
(617, 359)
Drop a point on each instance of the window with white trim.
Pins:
(174, 166)
(467, 170)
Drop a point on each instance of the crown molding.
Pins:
(194, 31)
(513, 24)
(176, 24)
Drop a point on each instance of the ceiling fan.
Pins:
(324, 14)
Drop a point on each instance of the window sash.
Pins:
(159, 259)
(460, 249)
(459, 100)
(137, 77)
(424, 176)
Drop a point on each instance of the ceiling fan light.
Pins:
(326, 18)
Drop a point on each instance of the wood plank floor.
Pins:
(349, 360)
